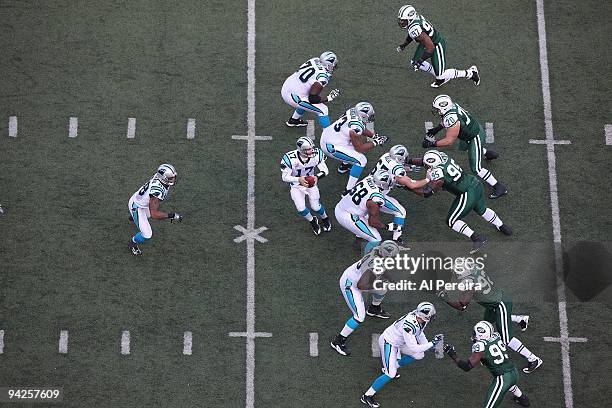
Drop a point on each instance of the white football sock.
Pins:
(487, 177)
(462, 228)
(296, 115)
(516, 345)
(516, 391)
(492, 217)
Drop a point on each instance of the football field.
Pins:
(236, 305)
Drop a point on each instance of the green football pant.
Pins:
(473, 199)
(438, 59)
(499, 387)
(501, 317)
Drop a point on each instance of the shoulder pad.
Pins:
(409, 327)
(450, 119)
(322, 78)
(414, 29)
(479, 347)
(437, 173)
(378, 198)
(356, 126)
(398, 170)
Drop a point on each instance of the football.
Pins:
(311, 180)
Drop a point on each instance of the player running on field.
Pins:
(445, 174)
(489, 350)
(302, 90)
(460, 124)
(432, 46)
(298, 168)
(357, 279)
(498, 309)
(402, 343)
(144, 204)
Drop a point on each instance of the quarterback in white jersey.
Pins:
(348, 139)
(298, 170)
(144, 204)
(357, 279)
(402, 343)
(303, 88)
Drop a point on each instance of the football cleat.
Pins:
(533, 365)
(478, 242)
(344, 168)
(2, 210)
(377, 311)
(134, 248)
(491, 155)
(499, 190)
(523, 401)
(296, 122)
(504, 229)
(369, 401)
(439, 82)
(316, 228)
(339, 344)
(327, 226)
(524, 323)
(475, 75)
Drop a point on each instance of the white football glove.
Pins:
(379, 139)
(436, 339)
(175, 217)
(412, 168)
(333, 94)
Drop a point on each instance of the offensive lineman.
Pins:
(348, 139)
(302, 90)
(144, 204)
(356, 279)
(431, 46)
(490, 351)
(402, 343)
(460, 124)
(296, 166)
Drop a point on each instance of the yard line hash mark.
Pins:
(63, 342)
(310, 129)
(428, 125)
(187, 343)
(490, 137)
(12, 126)
(73, 127)
(131, 129)
(608, 132)
(1, 341)
(314, 344)
(191, 128)
(375, 348)
(125, 342)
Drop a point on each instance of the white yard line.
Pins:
(608, 132)
(310, 129)
(63, 342)
(73, 127)
(12, 127)
(187, 343)
(375, 348)
(490, 138)
(1, 341)
(131, 129)
(428, 125)
(314, 344)
(191, 127)
(125, 342)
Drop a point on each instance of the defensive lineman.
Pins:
(432, 46)
(302, 90)
(402, 343)
(296, 166)
(348, 139)
(460, 124)
(144, 204)
(357, 279)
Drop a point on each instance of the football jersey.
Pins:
(488, 295)
(354, 201)
(356, 270)
(304, 78)
(421, 25)
(153, 188)
(347, 122)
(389, 164)
(292, 161)
(495, 357)
(405, 325)
(469, 126)
(455, 180)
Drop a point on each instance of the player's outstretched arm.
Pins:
(411, 184)
(160, 215)
(429, 189)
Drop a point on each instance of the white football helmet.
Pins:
(329, 60)
(441, 104)
(365, 110)
(433, 158)
(383, 179)
(399, 153)
(166, 174)
(387, 249)
(483, 330)
(426, 311)
(306, 147)
(406, 15)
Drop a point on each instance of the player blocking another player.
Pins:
(144, 204)
(348, 139)
(401, 344)
(298, 170)
(357, 279)
(490, 350)
(302, 90)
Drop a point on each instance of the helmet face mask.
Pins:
(365, 110)
(406, 15)
(306, 147)
(482, 330)
(383, 179)
(166, 174)
(399, 153)
(329, 60)
(441, 104)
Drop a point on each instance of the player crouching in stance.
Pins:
(347, 140)
(144, 204)
(402, 343)
(490, 350)
(298, 170)
(303, 88)
(356, 279)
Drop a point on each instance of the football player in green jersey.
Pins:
(490, 351)
(445, 174)
(432, 46)
(460, 124)
(498, 309)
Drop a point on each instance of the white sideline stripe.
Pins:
(314, 344)
(310, 129)
(608, 131)
(375, 348)
(63, 342)
(554, 205)
(1, 341)
(12, 127)
(131, 129)
(490, 138)
(569, 339)
(187, 343)
(73, 127)
(428, 125)
(191, 127)
(549, 142)
(125, 342)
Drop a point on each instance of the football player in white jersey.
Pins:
(357, 279)
(302, 90)
(348, 139)
(394, 162)
(144, 204)
(359, 208)
(402, 343)
(298, 167)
